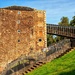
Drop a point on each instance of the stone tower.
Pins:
(22, 31)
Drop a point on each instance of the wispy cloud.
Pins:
(55, 9)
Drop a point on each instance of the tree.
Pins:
(49, 39)
(72, 22)
(64, 21)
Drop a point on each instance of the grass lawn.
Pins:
(60, 66)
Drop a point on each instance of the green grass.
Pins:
(61, 66)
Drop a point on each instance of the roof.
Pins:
(19, 8)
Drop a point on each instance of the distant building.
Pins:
(22, 31)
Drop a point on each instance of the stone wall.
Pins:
(21, 32)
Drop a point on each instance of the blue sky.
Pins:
(55, 9)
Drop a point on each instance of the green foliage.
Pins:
(64, 21)
(50, 39)
(72, 22)
(61, 66)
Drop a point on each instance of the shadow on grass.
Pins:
(68, 73)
